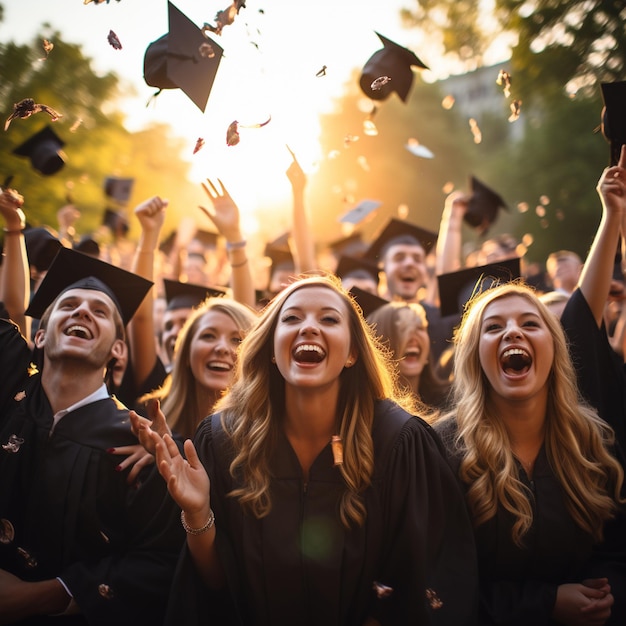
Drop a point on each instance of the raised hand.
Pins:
(224, 212)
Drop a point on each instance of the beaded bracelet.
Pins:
(197, 531)
(238, 244)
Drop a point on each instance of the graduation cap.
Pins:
(483, 206)
(44, 151)
(87, 245)
(352, 245)
(361, 211)
(187, 295)
(118, 189)
(393, 62)
(75, 270)
(42, 246)
(207, 238)
(400, 232)
(456, 288)
(115, 221)
(366, 300)
(185, 58)
(353, 267)
(614, 117)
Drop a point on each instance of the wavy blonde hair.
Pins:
(577, 441)
(253, 410)
(178, 393)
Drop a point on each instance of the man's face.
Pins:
(404, 265)
(173, 321)
(83, 326)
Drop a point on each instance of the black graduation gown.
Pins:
(300, 566)
(518, 585)
(67, 513)
(599, 370)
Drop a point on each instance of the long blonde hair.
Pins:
(577, 441)
(178, 396)
(253, 409)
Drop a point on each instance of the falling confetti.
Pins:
(448, 102)
(369, 128)
(379, 83)
(199, 144)
(76, 124)
(348, 140)
(504, 80)
(232, 133)
(416, 148)
(113, 39)
(516, 108)
(27, 107)
(47, 48)
(478, 136)
(322, 72)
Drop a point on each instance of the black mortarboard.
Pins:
(75, 270)
(360, 212)
(115, 221)
(483, 206)
(87, 245)
(44, 151)
(357, 268)
(206, 238)
(280, 253)
(394, 62)
(367, 301)
(42, 246)
(118, 189)
(187, 295)
(456, 288)
(167, 244)
(184, 58)
(399, 231)
(352, 245)
(614, 117)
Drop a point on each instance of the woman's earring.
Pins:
(349, 363)
(273, 359)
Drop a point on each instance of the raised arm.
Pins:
(225, 215)
(141, 331)
(15, 277)
(449, 240)
(304, 246)
(595, 278)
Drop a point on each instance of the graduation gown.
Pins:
(518, 585)
(299, 565)
(64, 510)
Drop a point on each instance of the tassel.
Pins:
(337, 447)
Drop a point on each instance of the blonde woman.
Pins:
(204, 362)
(542, 486)
(403, 327)
(313, 496)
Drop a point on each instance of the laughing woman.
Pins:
(543, 488)
(312, 497)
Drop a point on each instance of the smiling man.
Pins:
(77, 540)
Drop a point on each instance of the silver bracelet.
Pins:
(197, 531)
(236, 245)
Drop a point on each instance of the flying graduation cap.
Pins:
(44, 151)
(75, 270)
(483, 206)
(184, 58)
(393, 62)
(118, 189)
(614, 117)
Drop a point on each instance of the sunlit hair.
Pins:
(253, 410)
(386, 321)
(577, 441)
(179, 400)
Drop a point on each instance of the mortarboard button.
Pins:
(184, 58)
(394, 62)
(483, 206)
(44, 151)
(456, 288)
(42, 246)
(187, 295)
(614, 117)
(368, 302)
(75, 270)
(399, 231)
